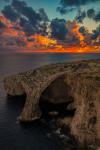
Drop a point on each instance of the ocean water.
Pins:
(32, 136)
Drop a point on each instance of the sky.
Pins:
(50, 7)
(43, 25)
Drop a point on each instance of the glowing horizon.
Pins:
(32, 31)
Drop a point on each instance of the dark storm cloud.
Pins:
(96, 33)
(23, 9)
(19, 5)
(81, 16)
(27, 26)
(44, 23)
(83, 30)
(30, 20)
(10, 13)
(91, 13)
(43, 15)
(68, 4)
(58, 27)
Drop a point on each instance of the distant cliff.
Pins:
(74, 83)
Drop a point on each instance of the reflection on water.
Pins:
(14, 136)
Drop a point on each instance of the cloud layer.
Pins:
(30, 20)
(66, 3)
(23, 27)
(90, 13)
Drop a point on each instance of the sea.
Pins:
(31, 136)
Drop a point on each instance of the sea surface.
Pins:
(33, 136)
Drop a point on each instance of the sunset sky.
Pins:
(50, 25)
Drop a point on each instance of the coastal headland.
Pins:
(74, 86)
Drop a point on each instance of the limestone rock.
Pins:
(98, 148)
(53, 113)
(75, 81)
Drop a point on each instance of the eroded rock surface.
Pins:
(76, 83)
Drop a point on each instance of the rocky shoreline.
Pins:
(69, 92)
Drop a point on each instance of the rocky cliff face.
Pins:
(75, 84)
(86, 93)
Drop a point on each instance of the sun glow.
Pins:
(12, 33)
(45, 44)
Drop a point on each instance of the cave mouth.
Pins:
(55, 100)
(50, 110)
(16, 102)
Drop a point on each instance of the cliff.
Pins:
(76, 83)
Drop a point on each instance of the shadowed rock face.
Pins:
(77, 82)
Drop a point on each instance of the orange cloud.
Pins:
(13, 36)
